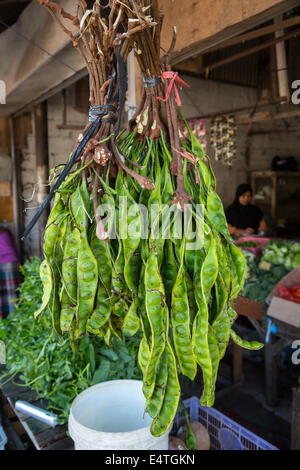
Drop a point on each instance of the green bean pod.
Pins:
(72, 340)
(130, 224)
(221, 327)
(143, 354)
(215, 361)
(46, 278)
(142, 311)
(162, 422)
(102, 311)
(69, 265)
(180, 321)
(156, 312)
(216, 213)
(169, 269)
(201, 347)
(102, 253)
(120, 307)
(209, 270)
(79, 210)
(191, 298)
(190, 438)
(252, 346)
(54, 303)
(240, 265)
(53, 224)
(87, 275)
(118, 281)
(154, 404)
(131, 323)
(85, 194)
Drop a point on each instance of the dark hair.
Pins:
(242, 189)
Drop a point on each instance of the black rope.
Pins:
(97, 114)
(107, 110)
(62, 176)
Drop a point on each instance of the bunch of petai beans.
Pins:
(117, 260)
(180, 298)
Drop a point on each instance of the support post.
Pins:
(281, 60)
(271, 373)
(42, 161)
(237, 364)
(295, 425)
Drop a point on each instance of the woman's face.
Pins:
(245, 198)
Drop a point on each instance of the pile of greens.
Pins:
(261, 277)
(45, 362)
(282, 253)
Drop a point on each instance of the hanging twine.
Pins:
(192, 159)
(174, 79)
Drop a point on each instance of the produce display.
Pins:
(261, 277)
(262, 274)
(105, 276)
(289, 293)
(283, 253)
(44, 362)
(248, 244)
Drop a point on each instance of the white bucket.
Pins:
(111, 416)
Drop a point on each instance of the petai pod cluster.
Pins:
(180, 296)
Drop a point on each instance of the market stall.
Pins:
(160, 298)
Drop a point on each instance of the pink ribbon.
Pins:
(174, 78)
(192, 159)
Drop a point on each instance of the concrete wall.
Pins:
(206, 96)
(61, 144)
(263, 148)
(5, 166)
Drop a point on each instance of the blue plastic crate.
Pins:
(3, 438)
(225, 434)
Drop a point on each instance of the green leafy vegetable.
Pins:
(45, 362)
(261, 277)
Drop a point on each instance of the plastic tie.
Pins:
(151, 81)
(107, 111)
(174, 79)
(192, 159)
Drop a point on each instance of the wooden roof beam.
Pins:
(257, 33)
(266, 116)
(202, 25)
(250, 51)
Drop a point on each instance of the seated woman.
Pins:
(244, 218)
